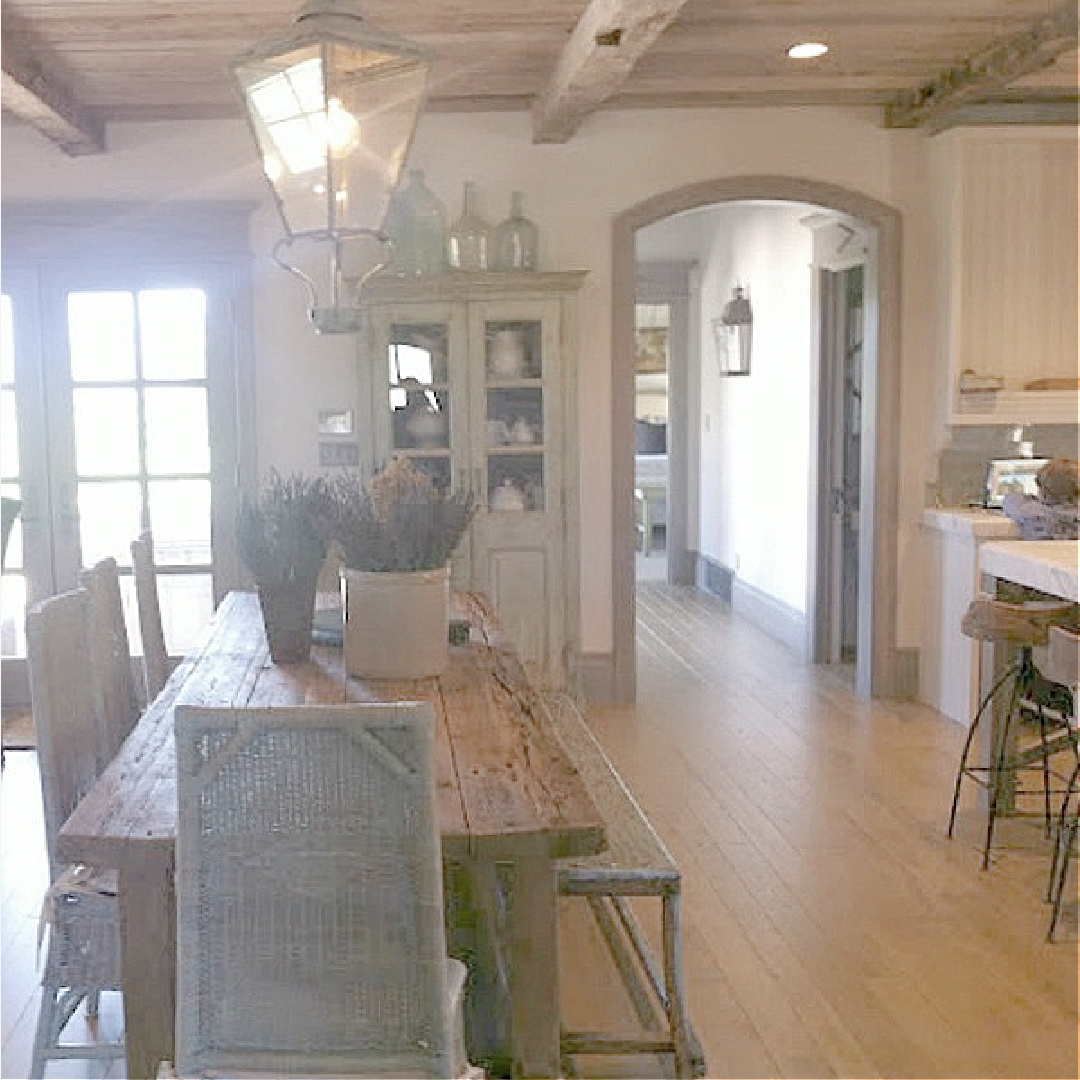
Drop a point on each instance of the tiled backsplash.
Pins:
(962, 464)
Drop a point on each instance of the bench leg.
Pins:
(689, 1060)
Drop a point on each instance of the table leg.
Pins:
(148, 937)
(534, 967)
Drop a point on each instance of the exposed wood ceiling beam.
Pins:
(981, 75)
(32, 90)
(607, 41)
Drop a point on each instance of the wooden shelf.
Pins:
(1015, 407)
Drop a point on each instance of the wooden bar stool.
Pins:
(1031, 697)
(1061, 663)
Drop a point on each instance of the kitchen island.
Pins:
(1047, 565)
(949, 661)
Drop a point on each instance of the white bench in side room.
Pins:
(636, 863)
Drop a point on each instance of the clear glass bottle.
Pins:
(516, 239)
(416, 223)
(469, 245)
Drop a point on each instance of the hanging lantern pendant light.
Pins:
(333, 107)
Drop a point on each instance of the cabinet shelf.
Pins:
(1017, 407)
(528, 382)
(423, 451)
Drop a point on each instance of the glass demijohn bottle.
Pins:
(416, 224)
(516, 239)
(469, 247)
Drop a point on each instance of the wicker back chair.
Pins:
(80, 906)
(155, 654)
(115, 700)
(310, 937)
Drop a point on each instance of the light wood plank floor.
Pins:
(831, 928)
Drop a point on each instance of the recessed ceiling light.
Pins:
(807, 50)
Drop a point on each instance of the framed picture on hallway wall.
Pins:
(651, 350)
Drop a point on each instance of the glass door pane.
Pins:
(418, 354)
(514, 413)
(13, 586)
(140, 400)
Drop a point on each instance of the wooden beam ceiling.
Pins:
(33, 90)
(609, 38)
(935, 104)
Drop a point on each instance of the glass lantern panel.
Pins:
(383, 94)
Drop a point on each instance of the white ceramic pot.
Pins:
(396, 624)
(507, 354)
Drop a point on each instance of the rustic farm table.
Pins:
(510, 803)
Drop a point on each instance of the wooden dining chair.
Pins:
(81, 907)
(310, 933)
(116, 702)
(156, 663)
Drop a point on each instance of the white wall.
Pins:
(573, 191)
(755, 430)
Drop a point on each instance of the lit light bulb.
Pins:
(342, 128)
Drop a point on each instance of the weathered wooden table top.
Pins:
(505, 784)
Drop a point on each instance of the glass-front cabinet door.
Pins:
(517, 399)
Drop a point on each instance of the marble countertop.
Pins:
(973, 521)
(1047, 565)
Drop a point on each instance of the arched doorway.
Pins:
(877, 564)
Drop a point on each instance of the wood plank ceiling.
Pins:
(71, 67)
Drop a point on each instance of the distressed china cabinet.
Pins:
(473, 377)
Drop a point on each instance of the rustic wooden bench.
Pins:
(636, 863)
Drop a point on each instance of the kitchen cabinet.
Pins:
(473, 378)
(1009, 236)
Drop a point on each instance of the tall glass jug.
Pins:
(516, 239)
(416, 223)
(470, 236)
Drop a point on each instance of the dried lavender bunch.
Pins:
(284, 536)
(399, 520)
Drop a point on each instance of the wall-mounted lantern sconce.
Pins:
(734, 331)
(333, 107)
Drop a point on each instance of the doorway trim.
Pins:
(671, 282)
(879, 510)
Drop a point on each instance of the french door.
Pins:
(119, 399)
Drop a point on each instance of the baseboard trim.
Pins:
(777, 619)
(598, 678)
(906, 674)
(713, 576)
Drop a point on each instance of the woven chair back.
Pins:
(155, 654)
(65, 722)
(115, 698)
(310, 937)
